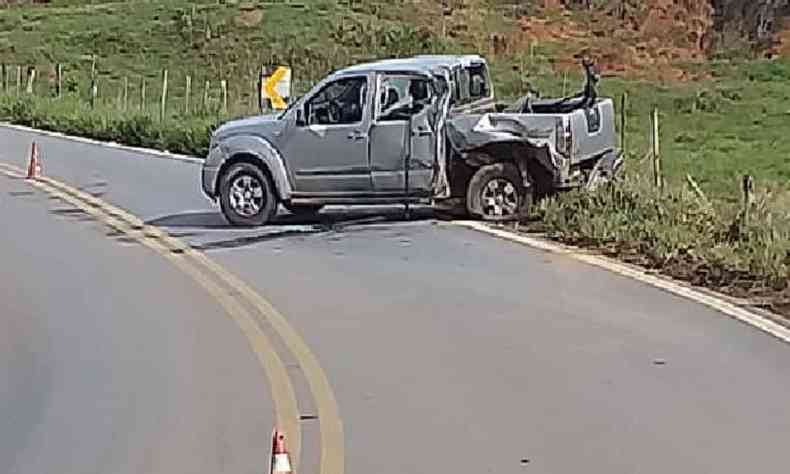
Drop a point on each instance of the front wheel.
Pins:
(496, 193)
(247, 196)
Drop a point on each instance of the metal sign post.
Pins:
(275, 88)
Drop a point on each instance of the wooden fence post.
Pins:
(659, 181)
(206, 89)
(187, 95)
(224, 87)
(4, 73)
(18, 80)
(443, 15)
(94, 82)
(142, 95)
(253, 93)
(532, 54)
(125, 93)
(623, 122)
(94, 92)
(31, 79)
(263, 103)
(163, 101)
(703, 200)
(58, 80)
(748, 198)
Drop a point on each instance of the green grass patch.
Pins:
(70, 115)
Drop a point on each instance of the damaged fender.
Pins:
(480, 139)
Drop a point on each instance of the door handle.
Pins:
(356, 136)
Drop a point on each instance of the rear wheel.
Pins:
(247, 195)
(496, 193)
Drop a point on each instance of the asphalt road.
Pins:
(447, 350)
(111, 361)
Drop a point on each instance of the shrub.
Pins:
(186, 135)
(674, 232)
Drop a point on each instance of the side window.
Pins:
(401, 97)
(339, 103)
(479, 87)
(462, 86)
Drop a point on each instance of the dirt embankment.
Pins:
(656, 38)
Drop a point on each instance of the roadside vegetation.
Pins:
(184, 135)
(730, 121)
(742, 250)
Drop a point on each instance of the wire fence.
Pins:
(169, 94)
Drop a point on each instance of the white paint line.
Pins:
(113, 145)
(718, 303)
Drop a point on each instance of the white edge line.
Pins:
(113, 145)
(755, 320)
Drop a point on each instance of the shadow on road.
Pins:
(331, 220)
(247, 240)
(200, 220)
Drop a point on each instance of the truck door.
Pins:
(403, 131)
(328, 153)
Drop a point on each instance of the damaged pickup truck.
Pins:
(415, 130)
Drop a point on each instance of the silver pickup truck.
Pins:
(415, 130)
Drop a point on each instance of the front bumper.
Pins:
(210, 171)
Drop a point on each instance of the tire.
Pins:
(496, 194)
(246, 196)
(303, 209)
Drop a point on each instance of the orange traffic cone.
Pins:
(281, 460)
(34, 166)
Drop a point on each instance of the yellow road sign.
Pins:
(277, 87)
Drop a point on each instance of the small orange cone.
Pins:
(34, 166)
(281, 460)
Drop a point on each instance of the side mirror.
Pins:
(300, 118)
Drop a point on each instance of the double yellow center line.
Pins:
(245, 306)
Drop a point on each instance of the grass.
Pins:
(716, 130)
(207, 40)
(71, 115)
